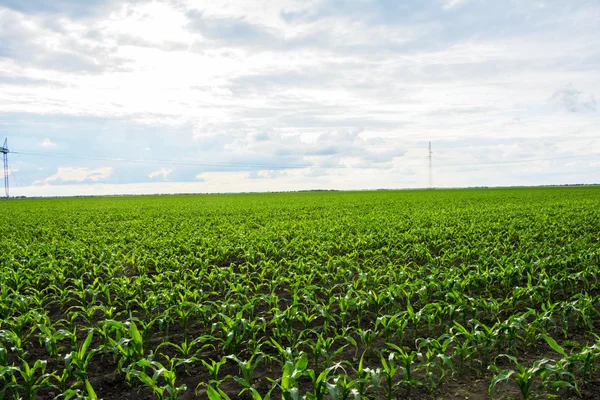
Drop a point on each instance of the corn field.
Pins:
(431, 294)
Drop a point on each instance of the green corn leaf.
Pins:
(244, 383)
(302, 362)
(257, 396)
(90, 391)
(502, 376)
(135, 335)
(212, 393)
(334, 391)
(555, 346)
(86, 344)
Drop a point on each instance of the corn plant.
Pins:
(292, 370)
(233, 330)
(319, 382)
(130, 349)
(529, 379)
(62, 380)
(247, 369)
(9, 379)
(406, 368)
(34, 377)
(13, 342)
(213, 369)
(389, 370)
(321, 348)
(188, 350)
(50, 338)
(342, 388)
(433, 360)
(158, 372)
(78, 361)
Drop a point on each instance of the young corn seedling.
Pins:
(50, 339)
(377, 300)
(62, 380)
(367, 336)
(322, 349)
(282, 329)
(585, 311)
(510, 329)
(213, 371)
(342, 388)
(292, 370)
(434, 361)
(13, 342)
(407, 360)
(359, 308)
(86, 312)
(184, 313)
(24, 325)
(131, 349)
(588, 358)
(9, 380)
(34, 378)
(432, 312)
(389, 370)
(169, 390)
(463, 349)
(565, 367)
(319, 382)
(284, 354)
(484, 336)
(307, 319)
(433, 371)
(363, 375)
(233, 330)
(247, 369)
(526, 378)
(414, 318)
(387, 325)
(78, 360)
(188, 351)
(256, 329)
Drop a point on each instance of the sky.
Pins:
(184, 96)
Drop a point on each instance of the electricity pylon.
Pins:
(4, 150)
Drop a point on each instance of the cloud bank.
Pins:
(298, 94)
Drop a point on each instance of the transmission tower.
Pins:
(4, 150)
(430, 168)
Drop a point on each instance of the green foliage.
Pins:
(353, 295)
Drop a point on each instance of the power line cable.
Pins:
(14, 178)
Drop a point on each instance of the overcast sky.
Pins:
(257, 95)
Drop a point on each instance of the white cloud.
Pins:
(72, 174)
(448, 4)
(47, 143)
(163, 172)
(223, 182)
(303, 84)
(574, 100)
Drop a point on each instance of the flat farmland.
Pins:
(421, 294)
